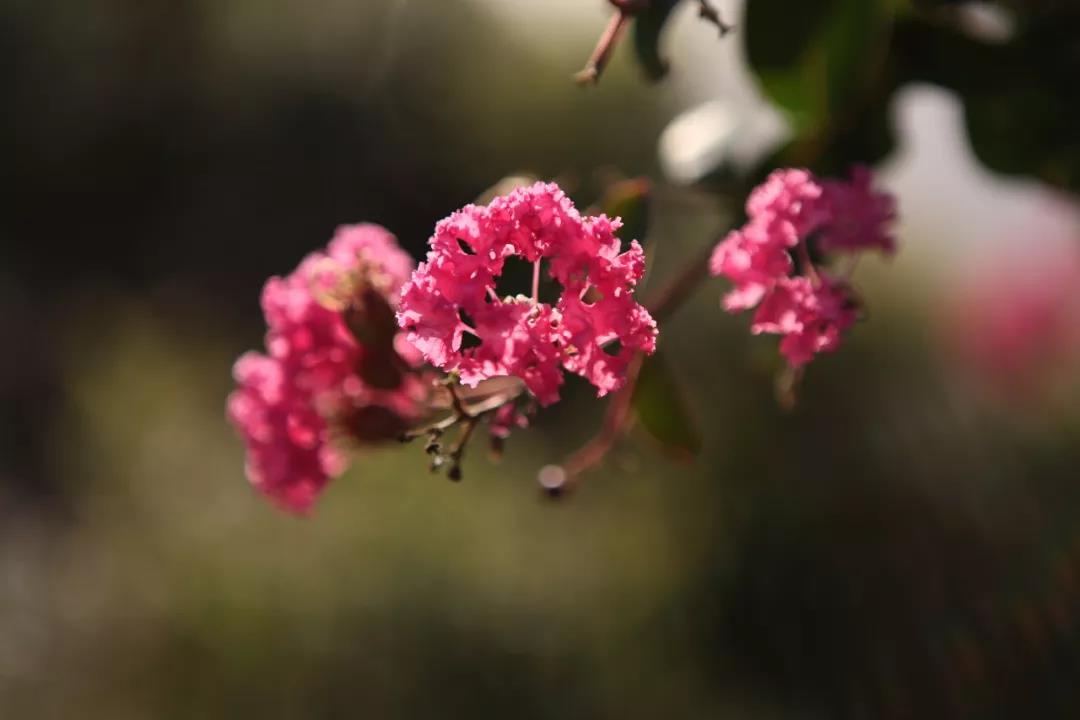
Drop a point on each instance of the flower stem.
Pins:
(604, 48)
(617, 421)
(466, 409)
(455, 400)
(458, 452)
(619, 415)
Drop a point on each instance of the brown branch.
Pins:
(604, 48)
(470, 404)
(557, 481)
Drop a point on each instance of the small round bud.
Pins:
(552, 479)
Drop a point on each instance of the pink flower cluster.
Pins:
(793, 213)
(594, 328)
(337, 371)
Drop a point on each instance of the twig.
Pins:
(455, 400)
(458, 451)
(558, 481)
(604, 48)
(462, 410)
(707, 11)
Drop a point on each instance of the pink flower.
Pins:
(505, 419)
(333, 374)
(753, 260)
(811, 316)
(789, 201)
(590, 330)
(452, 296)
(858, 217)
(786, 213)
(784, 209)
(288, 455)
(516, 338)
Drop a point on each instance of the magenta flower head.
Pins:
(457, 320)
(784, 209)
(793, 218)
(857, 217)
(811, 315)
(337, 372)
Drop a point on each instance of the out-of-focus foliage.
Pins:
(629, 200)
(836, 72)
(647, 28)
(1019, 92)
(821, 68)
(836, 67)
(660, 405)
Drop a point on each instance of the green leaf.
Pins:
(1020, 99)
(629, 200)
(648, 26)
(662, 410)
(817, 60)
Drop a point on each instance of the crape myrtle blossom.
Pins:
(793, 216)
(455, 318)
(337, 372)
(856, 217)
(812, 316)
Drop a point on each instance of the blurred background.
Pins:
(905, 543)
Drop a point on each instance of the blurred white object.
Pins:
(719, 134)
(951, 207)
(990, 23)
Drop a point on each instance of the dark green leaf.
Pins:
(647, 29)
(662, 409)
(819, 59)
(1020, 99)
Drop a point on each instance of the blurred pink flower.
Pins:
(781, 211)
(856, 217)
(753, 261)
(790, 203)
(333, 375)
(505, 419)
(452, 296)
(1014, 321)
(788, 212)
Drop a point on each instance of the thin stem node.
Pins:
(604, 48)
